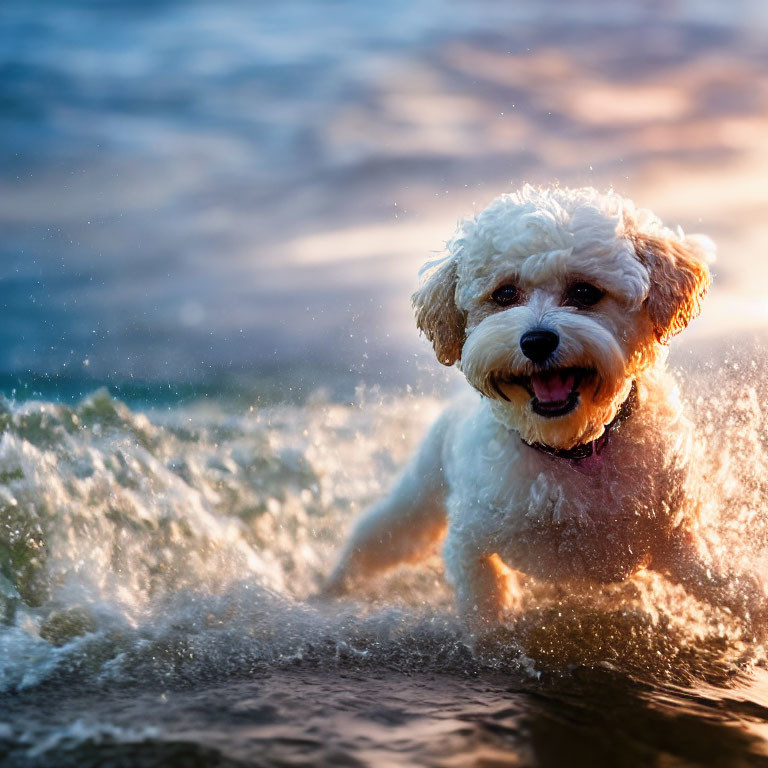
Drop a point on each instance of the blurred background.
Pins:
(228, 197)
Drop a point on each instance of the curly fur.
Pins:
(679, 280)
(437, 314)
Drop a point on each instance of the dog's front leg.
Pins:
(402, 527)
(481, 581)
(685, 562)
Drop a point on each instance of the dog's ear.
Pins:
(438, 316)
(679, 277)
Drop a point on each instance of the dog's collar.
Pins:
(585, 450)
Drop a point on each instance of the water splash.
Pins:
(183, 545)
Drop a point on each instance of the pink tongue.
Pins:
(552, 387)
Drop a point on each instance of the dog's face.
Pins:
(555, 300)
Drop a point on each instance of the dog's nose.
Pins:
(538, 345)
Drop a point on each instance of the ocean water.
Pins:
(213, 215)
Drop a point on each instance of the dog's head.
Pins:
(554, 300)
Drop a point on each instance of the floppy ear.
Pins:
(679, 280)
(437, 314)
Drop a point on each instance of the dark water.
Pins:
(219, 210)
(351, 717)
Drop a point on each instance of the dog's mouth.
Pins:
(554, 392)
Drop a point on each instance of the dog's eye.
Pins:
(582, 295)
(506, 296)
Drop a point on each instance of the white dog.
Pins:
(572, 464)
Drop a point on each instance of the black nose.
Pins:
(539, 345)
